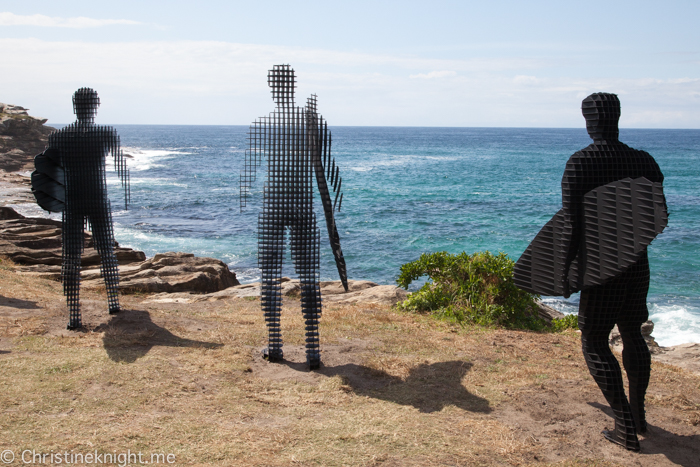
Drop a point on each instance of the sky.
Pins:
(371, 63)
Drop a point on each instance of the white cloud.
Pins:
(11, 19)
(523, 79)
(198, 82)
(433, 75)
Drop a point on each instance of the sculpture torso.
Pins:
(288, 189)
(83, 149)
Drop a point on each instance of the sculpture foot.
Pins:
(640, 422)
(629, 442)
(74, 326)
(314, 363)
(642, 428)
(273, 356)
(114, 311)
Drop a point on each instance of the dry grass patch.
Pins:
(395, 388)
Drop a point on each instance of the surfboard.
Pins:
(620, 220)
(48, 181)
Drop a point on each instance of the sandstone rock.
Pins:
(169, 272)
(35, 245)
(37, 241)
(647, 328)
(332, 292)
(686, 356)
(548, 313)
(377, 294)
(21, 138)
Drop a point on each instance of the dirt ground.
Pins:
(395, 389)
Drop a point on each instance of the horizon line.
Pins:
(583, 127)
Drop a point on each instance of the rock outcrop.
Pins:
(686, 356)
(169, 272)
(21, 138)
(332, 292)
(548, 313)
(35, 245)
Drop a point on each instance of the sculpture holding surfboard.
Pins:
(613, 207)
(620, 221)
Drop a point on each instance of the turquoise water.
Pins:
(407, 191)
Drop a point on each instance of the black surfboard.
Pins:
(620, 220)
(48, 181)
(321, 152)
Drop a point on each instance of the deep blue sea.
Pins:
(407, 191)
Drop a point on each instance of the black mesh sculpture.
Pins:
(70, 178)
(613, 207)
(297, 144)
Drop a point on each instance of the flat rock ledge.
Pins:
(34, 244)
(332, 292)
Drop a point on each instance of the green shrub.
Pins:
(567, 322)
(476, 288)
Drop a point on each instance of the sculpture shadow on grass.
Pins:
(18, 303)
(682, 450)
(429, 387)
(130, 334)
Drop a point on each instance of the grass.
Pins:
(412, 390)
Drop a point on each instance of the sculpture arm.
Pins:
(319, 142)
(114, 147)
(257, 143)
(572, 196)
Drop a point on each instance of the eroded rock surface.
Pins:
(169, 272)
(35, 245)
(21, 138)
(331, 292)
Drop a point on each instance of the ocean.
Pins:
(407, 191)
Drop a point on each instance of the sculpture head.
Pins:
(602, 113)
(85, 104)
(281, 80)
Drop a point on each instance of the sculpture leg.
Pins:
(305, 254)
(598, 311)
(635, 355)
(103, 237)
(73, 238)
(270, 254)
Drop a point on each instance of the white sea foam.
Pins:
(113, 180)
(441, 158)
(246, 275)
(675, 324)
(567, 306)
(144, 159)
(33, 210)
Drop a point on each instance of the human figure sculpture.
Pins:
(622, 299)
(613, 207)
(296, 142)
(79, 151)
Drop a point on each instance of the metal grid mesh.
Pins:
(82, 148)
(613, 207)
(296, 142)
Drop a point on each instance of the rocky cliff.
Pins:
(21, 138)
(34, 244)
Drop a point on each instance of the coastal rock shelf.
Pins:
(35, 245)
(364, 292)
(170, 272)
(36, 242)
(21, 137)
